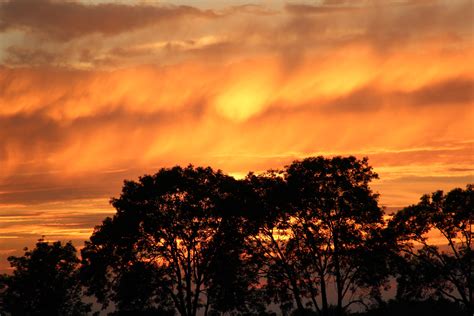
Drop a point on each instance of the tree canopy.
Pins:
(441, 265)
(182, 226)
(44, 282)
(307, 239)
(325, 230)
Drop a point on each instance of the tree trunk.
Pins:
(324, 296)
(297, 294)
(337, 271)
(206, 310)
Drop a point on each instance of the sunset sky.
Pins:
(92, 93)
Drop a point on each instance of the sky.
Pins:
(93, 92)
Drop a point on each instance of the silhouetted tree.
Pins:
(324, 227)
(193, 240)
(233, 275)
(273, 243)
(181, 233)
(44, 282)
(435, 240)
(341, 224)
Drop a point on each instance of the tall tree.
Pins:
(179, 225)
(44, 282)
(340, 222)
(435, 240)
(326, 230)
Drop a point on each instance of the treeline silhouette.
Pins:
(310, 239)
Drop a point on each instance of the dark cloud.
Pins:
(253, 9)
(305, 9)
(68, 20)
(461, 170)
(55, 31)
(38, 138)
(37, 132)
(18, 55)
(456, 91)
(384, 24)
(453, 93)
(33, 189)
(335, 6)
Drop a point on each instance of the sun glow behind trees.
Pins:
(310, 238)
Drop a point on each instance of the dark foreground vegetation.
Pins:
(310, 239)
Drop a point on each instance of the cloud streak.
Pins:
(64, 21)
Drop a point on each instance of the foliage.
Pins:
(323, 225)
(194, 241)
(430, 307)
(44, 282)
(181, 227)
(443, 269)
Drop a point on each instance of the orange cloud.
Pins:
(85, 105)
